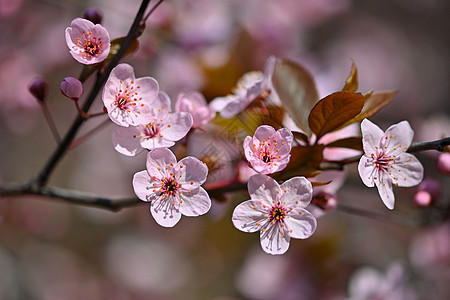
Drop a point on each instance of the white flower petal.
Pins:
(164, 213)
(262, 188)
(196, 203)
(408, 170)
(126, 140)
(247, 218)
(302, 225)
(386, 192)
(398, 137)
(297, 189)
(192, 174)
(273, 242)
(158, 160)
(142, 183)
(372, 135)
(366, 169)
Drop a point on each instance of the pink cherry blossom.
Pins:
(368, 283)
(278, 212)
(163, 129)
(129, 100)
(385, 161)
(195, 104)
(172, 188)
(89, 43)
(268, 150)
(250, 86)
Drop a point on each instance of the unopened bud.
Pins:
(38, 88)
(428, 191)
(325, 201)
(94, 15)
(72, 88)
(443, 163)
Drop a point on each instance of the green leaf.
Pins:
(297, 91)
(333, 111)
(373, 103)
(351, 83)
(350, 142)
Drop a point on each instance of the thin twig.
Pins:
(88, 134)
(375, 216)
(151, 11)
(438, 145)
(51, 122)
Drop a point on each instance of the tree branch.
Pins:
(438, 145)
(133, 34)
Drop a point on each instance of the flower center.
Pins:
(277, 213)
(92, 46)
(381, 161)
(121, 101)
(169, 186)
(267, 151)
(128, 97)
(151, 130)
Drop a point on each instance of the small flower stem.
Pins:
(376, 216)
(88, 134)
(51, 122)
(81, 112)
(151, 11)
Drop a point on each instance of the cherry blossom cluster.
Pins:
(278, 209)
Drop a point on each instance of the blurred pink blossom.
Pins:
(368, 283)
(385, 160)
(172, 188)
(443, 163)
(249, 87)
(278, 212)
(195, 104)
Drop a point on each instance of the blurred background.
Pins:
(53, 250)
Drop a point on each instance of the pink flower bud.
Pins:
(94, 15)
(72, 88)
(428, 191)
(326, 201)
(38, 88)
(422, 199)
(443, 163)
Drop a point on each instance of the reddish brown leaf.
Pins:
(373, 103)
(315, 183)
(297, 91)
(351, 143)
(305, 161)
(351, 83)
(333, 111)
(300, 136)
